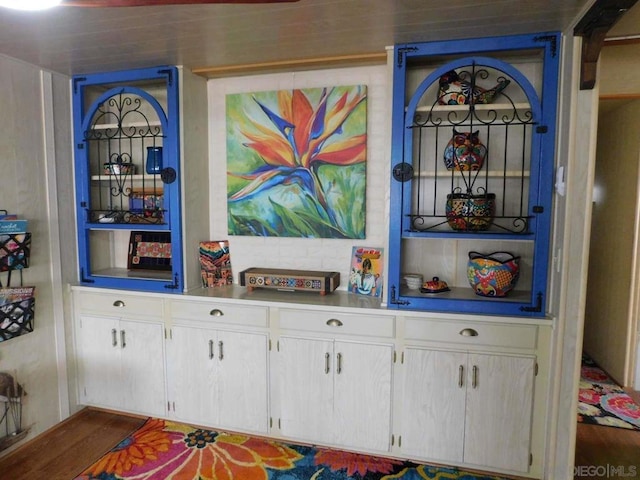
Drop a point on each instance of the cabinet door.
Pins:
(99, 361)
(142, 375)
(433, 404)
(192, 376)
(242, 380)
(306, 389)
(362, 404)
(499, 409)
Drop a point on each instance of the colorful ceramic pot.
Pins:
(464, 152)
(470, 213)
(493, 274)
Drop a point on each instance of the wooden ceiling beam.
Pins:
(294, 65)
(593, 28)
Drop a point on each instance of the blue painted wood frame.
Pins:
(544, 111)
(170, 126)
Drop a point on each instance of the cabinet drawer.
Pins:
(469, 333)
(119, 305)
(212, 311)
(347, 323)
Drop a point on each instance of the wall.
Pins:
(25, 150)
(607, 320)
(619, 69)
(298, 253)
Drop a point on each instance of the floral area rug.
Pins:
(164, 450)
(602, 401)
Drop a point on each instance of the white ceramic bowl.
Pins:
(413, 280)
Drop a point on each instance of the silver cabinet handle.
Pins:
(326, 362)
(210, 349)
(334, 322)
(461, 376)
(339, 366)
(118, 303)
(469, 332)
(123, 340)
(216, 312)
(114, 337)
(474, 380)
(220, 352)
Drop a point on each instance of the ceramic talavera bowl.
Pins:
(494, 274)
(470, 213)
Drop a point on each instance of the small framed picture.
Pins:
(365, 274)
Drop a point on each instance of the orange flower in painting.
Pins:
(354, 462)
(135, 450)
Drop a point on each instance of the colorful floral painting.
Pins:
(162, 450)
(296, 162)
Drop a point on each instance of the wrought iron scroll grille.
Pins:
(122, 129)
(504, 127)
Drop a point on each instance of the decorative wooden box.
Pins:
(290, 280)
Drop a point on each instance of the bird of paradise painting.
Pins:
(296, 162)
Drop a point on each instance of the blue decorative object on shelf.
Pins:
(154, 160)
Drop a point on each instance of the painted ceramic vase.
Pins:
(464, 152)
(494, 274)
(470, 213)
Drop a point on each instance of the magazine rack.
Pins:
(16, 318)
(17, 304)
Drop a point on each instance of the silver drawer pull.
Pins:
(216, 313)
(334, 322)
(118, 303)
(469, 332)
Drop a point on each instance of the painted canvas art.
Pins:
(365, 276)
(296, 162)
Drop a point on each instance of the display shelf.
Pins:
(473, 146)
(132, 132)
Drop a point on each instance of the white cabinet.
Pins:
(121, 364)
(218, 376)
(471, 408)
(467, 405)
(331, 389)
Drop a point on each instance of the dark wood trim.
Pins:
(593, 28)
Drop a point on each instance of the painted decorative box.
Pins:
(290, 280)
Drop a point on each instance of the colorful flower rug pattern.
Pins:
(164, 450)
(602, 401)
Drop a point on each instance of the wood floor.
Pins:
(71, 446)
